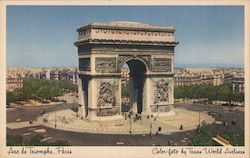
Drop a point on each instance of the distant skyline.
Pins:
(44, 36)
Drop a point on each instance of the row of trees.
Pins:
(207, 132)
(18, 140)
(209, 92)
(40, 89)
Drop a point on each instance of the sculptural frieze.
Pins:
(129, 32)
(105, 64)
(161, 65)
(161, 92)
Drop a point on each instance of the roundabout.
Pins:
(183, 120)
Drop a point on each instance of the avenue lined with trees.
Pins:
(40, 89)
(209, 92)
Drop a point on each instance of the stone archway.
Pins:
(148, 50)
(136, 84)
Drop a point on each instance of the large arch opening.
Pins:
(133, 84)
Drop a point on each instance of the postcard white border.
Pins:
(108, 151)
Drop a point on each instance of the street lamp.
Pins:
(55, 119)
(157, 110)
(198, 110)
(199, 117)
(130, 125)
(130, 122)
(198, 128)
(151, 126)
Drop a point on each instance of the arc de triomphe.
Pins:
(104, 48)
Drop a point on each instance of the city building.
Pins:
(227, 78)
(218, 80)
(186, 80)
(238, 84)
(208, 76)
(14, 83)
(70, 74)
(54, 74)
(207, 79)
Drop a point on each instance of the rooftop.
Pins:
(127, 25)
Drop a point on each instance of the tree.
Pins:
(208, 131)
(17, 140)
(67, 86)
(14, 140)
(203, 137)
(125, 92)
(40, 89)
(232, 138)
(10, 97)
(210, 92)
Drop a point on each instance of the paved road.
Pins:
(75, 138)
(30, 113)
(222, 114)
(84, 139)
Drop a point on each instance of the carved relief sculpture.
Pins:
(161, 65)
(105, 64)
(106, 97)
(161, 91)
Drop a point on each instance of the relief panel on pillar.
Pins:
(105, 65)
(161, 92)
(161, 96)
(106, 97)
(106, 100)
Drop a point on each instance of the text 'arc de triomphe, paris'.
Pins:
(104, 48)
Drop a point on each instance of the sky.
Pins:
(44, 36)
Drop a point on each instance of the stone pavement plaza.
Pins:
(68, 121)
